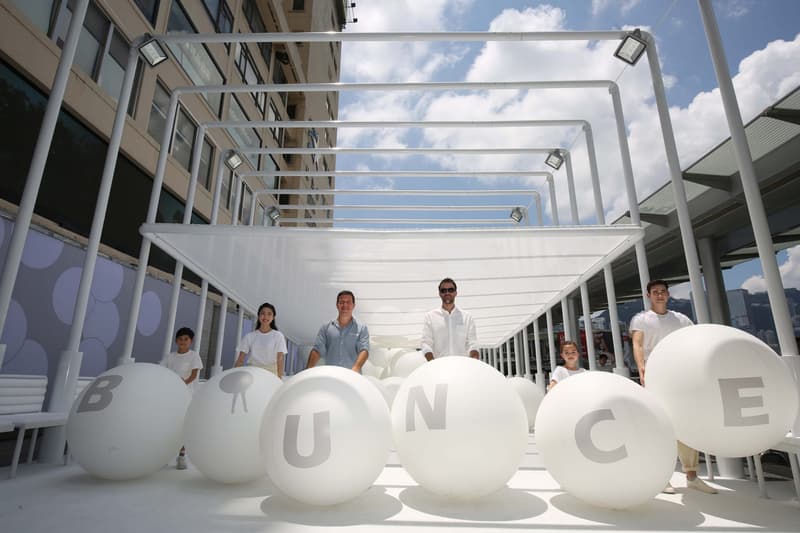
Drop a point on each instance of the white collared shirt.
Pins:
(446, 333)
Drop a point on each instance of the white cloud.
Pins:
(762, 77)
(733, 8)
(789, 270)
(598, 6)
(682, 291)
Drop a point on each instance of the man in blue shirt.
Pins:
(342, 342)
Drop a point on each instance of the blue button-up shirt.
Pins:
(341, 346)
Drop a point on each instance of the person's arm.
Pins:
(192, 376)
(472, 338)
(362, 345)
(240, 359)
(555, 375)
(280, 364)
(360, 360)
(313, 358)
(426, 341)
(553, 383)
(637, 340)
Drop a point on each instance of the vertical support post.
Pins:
(526, 350)
(573, 200)
(566, 319)
(587, 327)
(676, 177)
(752, 196)
(33, 182)
(69, 362)
(539, 378)
(553, 202)
(550, 342)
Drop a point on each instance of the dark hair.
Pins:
(448, 280)
(568, 343)
(602, 355)
(184, 331)
(271, 307)
(657, 282)
(345, 293)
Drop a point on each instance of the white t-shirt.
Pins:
(655, 327)
(561, 373)
(262, 348)
(183, 363)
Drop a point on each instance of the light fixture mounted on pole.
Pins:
(234, 161)
(152, 52)
(631, 48)
(274, 214)
(517, 215)
(554, 159)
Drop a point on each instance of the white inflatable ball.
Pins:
(378, 356)
(391, 385)
(531, 396)
(728, 393)
(128, 422)
(223, 424)
(459, 429)
(370, 369)
(405, 364)
(381, 388)
(606, 440)
(326, 436)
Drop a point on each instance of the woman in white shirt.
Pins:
(266, 346)
(570, 355)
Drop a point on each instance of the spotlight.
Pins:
(554, 159)
(274, 214)
(152, 52)
(233, 161)
(631, 47)
(517, 215)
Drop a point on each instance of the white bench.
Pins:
(21, 401)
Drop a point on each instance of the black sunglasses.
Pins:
(447, 289)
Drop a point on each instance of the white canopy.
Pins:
(505, 277)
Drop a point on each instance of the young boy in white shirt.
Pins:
(187, 364)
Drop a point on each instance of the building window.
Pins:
(273, 116)
(244, 137)
(158, 112)
(298, 5)
(270, 182)
(194, 58)
(279, 78)
(184, 139)
(247, 68)
(256, 24)
(244, 207)
(102, 51)
(220, 15)
(149, 9)
(225, 192)
(39, 13)
(206, 158)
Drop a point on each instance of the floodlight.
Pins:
(554, 159)
(233, 161)
(631, 47)
(274, 214)
(152, 52)
(517, 215)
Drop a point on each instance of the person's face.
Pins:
(184, 343)
(447, 292)
(603, 360)
(569, 354)
(658, 294)
(345, 304)
(265, 317)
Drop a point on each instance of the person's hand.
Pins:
(356, 369)
(641, 376)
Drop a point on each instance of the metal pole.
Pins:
(144, 250)
(630, 189)
(172, 314)
(33, 182)
(517, 358)
(550, 343)
(573, 200)
(69, 362)
(587, 327)
(553, 202)
(539, 378)
(507, 371)
(752, 195)
(566, 319)
(527, 353)
(681, 206)
(223, 315)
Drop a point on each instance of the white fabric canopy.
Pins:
(505, 277)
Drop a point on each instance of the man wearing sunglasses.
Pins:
(448, 330)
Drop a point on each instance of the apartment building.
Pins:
(32, 33)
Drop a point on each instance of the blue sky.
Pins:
(763, 50)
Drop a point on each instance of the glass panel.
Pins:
(193, 57)
(225, 192)
(184, 137)
(149, 9)
(158, 113)
(39, 13)
(206, 156)
(245, 138)
(114, 66)
(247, 197)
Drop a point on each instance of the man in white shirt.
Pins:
(448, 330)
(647, 329)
